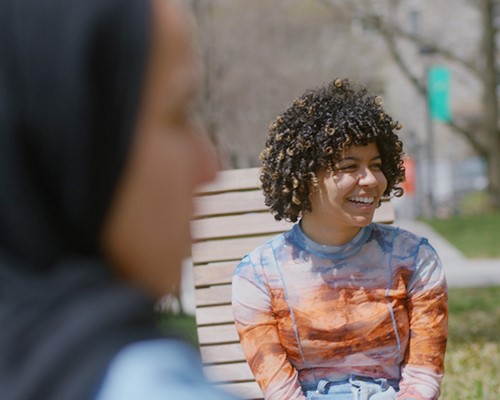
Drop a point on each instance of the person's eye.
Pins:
(347, 167)
(376, 167)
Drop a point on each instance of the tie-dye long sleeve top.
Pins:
(375, 307)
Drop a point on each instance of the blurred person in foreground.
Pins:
(339, 307)
(98, 161)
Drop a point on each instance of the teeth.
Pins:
(364, 200)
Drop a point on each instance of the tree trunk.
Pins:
(494, 174)
(490, 105)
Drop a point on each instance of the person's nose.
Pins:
(368, 178)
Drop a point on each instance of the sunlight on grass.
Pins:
(473, 354)
(472, 371)
(476, 236)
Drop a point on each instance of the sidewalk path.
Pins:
(460, 271)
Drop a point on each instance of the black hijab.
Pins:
(70, 77)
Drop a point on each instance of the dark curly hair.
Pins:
(311, 135)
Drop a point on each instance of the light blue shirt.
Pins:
(159, 369)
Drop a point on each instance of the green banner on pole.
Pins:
(438, 86)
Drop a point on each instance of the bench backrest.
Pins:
(231, 219)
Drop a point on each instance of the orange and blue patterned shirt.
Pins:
(375, 307)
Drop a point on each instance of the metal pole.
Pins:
(431, 178)
(428, 148)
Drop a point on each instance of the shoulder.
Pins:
(263, 253)
(402, 243)
(399, 236)
(411, 251)
(156, 369)
(259, 265)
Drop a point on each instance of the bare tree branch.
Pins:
(339, 9)
(433, 47)
(396, 55)
(389, 34)
(391, 29)
(466, 133)
(486, 140)
(422, 89)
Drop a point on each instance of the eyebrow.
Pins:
(351, 158)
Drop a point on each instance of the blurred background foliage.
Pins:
(259, 55)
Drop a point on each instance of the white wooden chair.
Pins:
(231, 219)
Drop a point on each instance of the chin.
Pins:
(362, 221)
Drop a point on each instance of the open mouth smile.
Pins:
(362, 200)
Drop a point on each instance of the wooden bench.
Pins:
(231, 220)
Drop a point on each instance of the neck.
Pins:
(329, 235)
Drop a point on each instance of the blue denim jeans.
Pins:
(356, 388)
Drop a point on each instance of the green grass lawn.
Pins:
(473, 354)
(476, 236)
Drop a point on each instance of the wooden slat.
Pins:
(217, 334)
(244, 390)
(213, 295)
(232, 372)
(237, 179)
(231, 220)
(225, 249)
(213, 274)
(229, 203)
(222, 353)
(259, 223)
(214, 315)
(235, 249)
(237, 225)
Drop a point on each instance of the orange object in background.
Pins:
(410, 175)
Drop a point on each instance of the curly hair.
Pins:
(311, 135)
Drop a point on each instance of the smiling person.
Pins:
(99, 157)
(339, 307)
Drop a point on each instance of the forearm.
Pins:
(419, 383)
(257, 327)
(423, 367)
